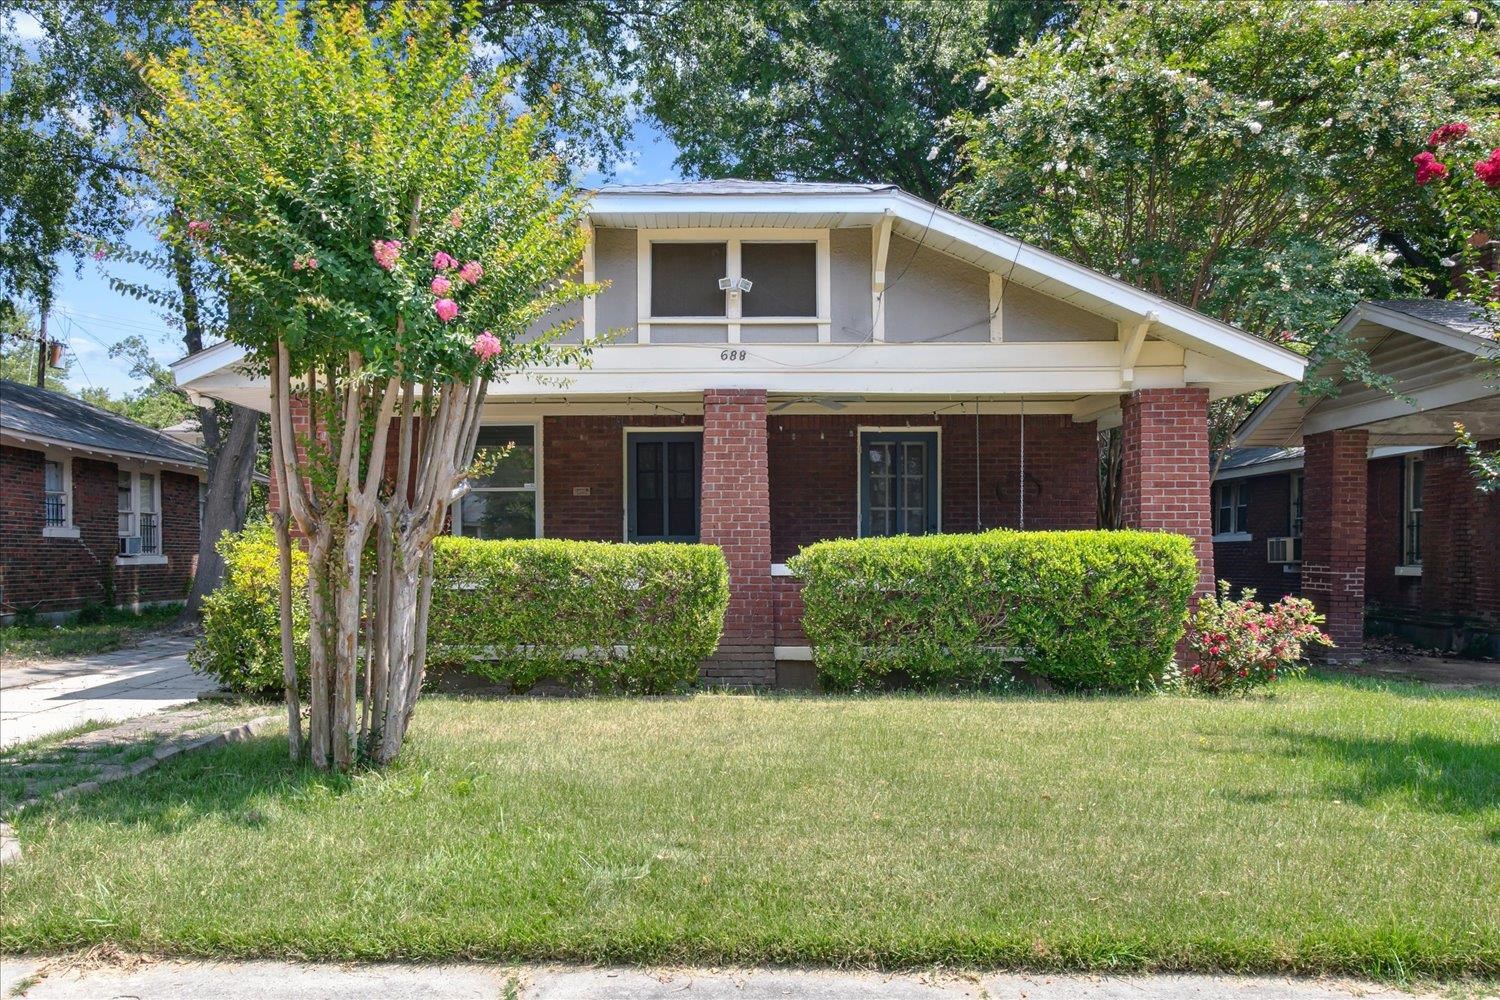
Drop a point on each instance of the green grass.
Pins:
(117, 628)
(1339, 825)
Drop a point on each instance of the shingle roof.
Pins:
(1459, 316)
(733, 185)
(51, 416)
(1242, 458)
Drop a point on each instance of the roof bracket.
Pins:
(1132, 337)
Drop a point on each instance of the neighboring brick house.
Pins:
(1378, 501)
(94, 508)
(797, 362)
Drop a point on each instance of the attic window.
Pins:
(785, 277)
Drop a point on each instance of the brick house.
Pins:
(94, 508)
(1361, 502)
(796, 362)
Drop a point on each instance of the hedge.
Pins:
(1084, 609)
(596, 615)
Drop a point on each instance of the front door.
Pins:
(663, 477)
(898, 483)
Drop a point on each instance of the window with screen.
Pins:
(55, 503)
(501, 502)
(685, 279)
(784, 279)
(1411, 513)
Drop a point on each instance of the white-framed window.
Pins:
(1411, 511)
(1231, 508)
(57, 496)
(1294, 515)
(138, 513)
(733, 278)
(504, 500)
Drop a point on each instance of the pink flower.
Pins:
(1488, 169)
(472, 272)
(440, 285)
(446, 309)
(386, 252)
(198, 228)
(99, 253)
(487, 345)
(442, 262)
(456, 219)
(1428, 167)
(304, 264)
(1447, 133)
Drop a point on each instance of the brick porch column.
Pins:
(736, 510)
(1335, 467)
(1164, 483)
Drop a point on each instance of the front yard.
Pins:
(1337, 824)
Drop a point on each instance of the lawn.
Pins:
(111, 630)
(1338, 825)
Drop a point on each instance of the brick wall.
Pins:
(1164, 484)
(1243, 564)
(583, 473)
(1460, 540)
(814, 474)
(736, 507)
(61, 574)
(1333, 547)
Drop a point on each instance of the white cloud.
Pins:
(26, 28)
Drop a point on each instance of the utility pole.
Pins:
(41, 354)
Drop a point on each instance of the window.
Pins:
(502, 502)
(55, 502)
(685, 279)
(1231, 508)
(898, 483)
(137, 506)
(1411, 512)
(784, 279)
(663, 474)
(1294, 519)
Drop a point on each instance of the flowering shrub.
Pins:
(1243, 644)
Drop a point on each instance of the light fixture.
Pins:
(735, 284)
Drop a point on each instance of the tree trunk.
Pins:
(288, 652)
(230, 469)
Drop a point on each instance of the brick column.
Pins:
(1164, 483)
(736, 509)
(1335, 466)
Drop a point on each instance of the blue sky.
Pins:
(89, 316)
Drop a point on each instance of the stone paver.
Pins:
(173, 980)
(40, 699)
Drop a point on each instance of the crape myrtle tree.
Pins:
(391, 229)
(1241, 159)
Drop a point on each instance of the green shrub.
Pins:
(600, 615)
(614, 617)
(241, 641)
(1084, 609)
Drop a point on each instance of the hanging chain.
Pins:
(1023, 464)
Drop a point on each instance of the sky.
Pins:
(89, 315)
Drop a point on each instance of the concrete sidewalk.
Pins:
(171, 980)
(39, 699)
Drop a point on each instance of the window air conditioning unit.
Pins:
(1283, 550)
(131, 546)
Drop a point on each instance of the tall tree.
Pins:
(391, 231)
(833, 90)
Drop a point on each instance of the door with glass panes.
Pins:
(898, 483)
(663, 478)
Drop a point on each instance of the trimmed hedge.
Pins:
(602, 616)
(1087, 610)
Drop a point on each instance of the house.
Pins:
(94, 508)
(1360, 501)
(796, 362)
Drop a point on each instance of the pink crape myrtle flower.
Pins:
(386, 252)
(1447, 133)
(472, 272)
(442, 262)
(305, 263)
(198, 228)
(1428, 167)
(1488, 169)
(456, 219)
(441, 285)
(487, 345)
(99, 253)
(446, 309)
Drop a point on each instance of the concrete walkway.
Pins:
(39, 699)
(170, 980)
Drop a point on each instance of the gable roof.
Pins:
(46, 417)
(1434, 350)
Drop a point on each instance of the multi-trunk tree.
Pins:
(394, 235)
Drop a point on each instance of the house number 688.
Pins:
(731, 355)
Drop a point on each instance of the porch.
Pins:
(762, 474)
